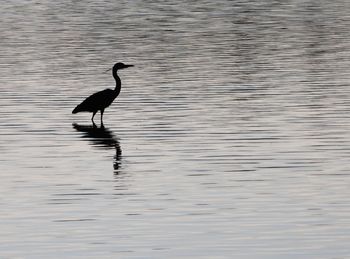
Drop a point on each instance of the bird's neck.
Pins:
(118, 83)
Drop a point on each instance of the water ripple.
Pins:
(230, 137)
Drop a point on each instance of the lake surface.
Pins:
(230, 138)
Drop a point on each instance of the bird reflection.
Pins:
(102, 137)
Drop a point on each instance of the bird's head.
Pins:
(120, 65)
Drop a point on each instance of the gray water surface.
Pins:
(230, 138)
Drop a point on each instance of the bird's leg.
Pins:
(93, 115)
(102, 111)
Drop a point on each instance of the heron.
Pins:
(101, 100)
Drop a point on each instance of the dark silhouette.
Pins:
(101, 100)
(102, 137)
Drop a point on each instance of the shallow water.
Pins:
(230, 138)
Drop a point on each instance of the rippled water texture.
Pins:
(230, 138)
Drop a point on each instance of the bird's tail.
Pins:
(77, 109)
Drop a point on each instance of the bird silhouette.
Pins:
(101, 100)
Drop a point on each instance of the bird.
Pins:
(101, 100)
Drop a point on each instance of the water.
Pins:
(230, 138)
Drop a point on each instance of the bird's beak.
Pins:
(126, 66)
(109, 69)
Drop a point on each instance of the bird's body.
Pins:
(97, 101)
(101, 100)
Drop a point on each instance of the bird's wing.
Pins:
(95, 101)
